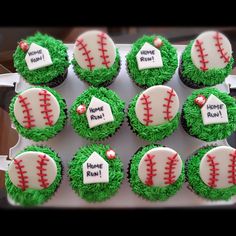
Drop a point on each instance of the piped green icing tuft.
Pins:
(99, 76)
(196, 183)
(210, 77)
(152, 193)
(192, 115)
(58, 53)
(32, 197)
(96, 192)
(154, 76)
(80, 123)
(151, 133)
(41, 134)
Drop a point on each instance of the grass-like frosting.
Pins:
(153, 76)
(95, 192)
(32, 197)
(98, 76)
(41, 134)
(80, 123)
(58, 53)
(196, 183)
(193, 117)
(152, 193)
(210, 77)
(150, 133)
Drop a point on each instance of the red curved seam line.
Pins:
(28, 118)
(220, 49)
(147, 109)
(151, 171)
(45, 104)
(201, 55)
(83, 46)
(102, 37)
(21, 175)
(214, 171)
(43, 181)
(232, 171)
(170, 167)
(168, 99)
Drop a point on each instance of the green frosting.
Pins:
(96, 192)
(58, 53)
(210, 77)
(151, 193)
(80, 123)
(150, 133)
(41, 134)
(99, 76)
(32, 197)
(192, 115)
(196, 183)
(154, 76)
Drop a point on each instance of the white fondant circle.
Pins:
(151, 106)
(29, 161)
(213, 50)
(88, 46)
(223, 161)
(160, 163)
(34, 105)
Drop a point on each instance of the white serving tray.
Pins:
(124, 142)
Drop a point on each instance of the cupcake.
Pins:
(209, 114)
(33, 176)
(38, 113)
(96, 59)
(97, 113)
(41, 60)
(211, 172)
(151, 61)
(95, 172)
(156, 173)
(206, 61)
(153, 114)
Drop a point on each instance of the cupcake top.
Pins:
(40, 59)
(97, 113)
(38, 113)
(211, 172)
(151, 61)
(209, 114)
(33, 175)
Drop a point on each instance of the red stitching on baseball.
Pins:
(220, 49)
(201, 54)
(147, 108)
(104, 56)
(151, 171)
(232, 171)
(170, 167)
(167, 111)
(43, 176)
(21, 175)
(28, 119)
(83, 46)
(214, 171)
(45, 103)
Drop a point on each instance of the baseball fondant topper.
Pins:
(160, 166)
(24, 46)
(157, 42)
(149, 57)
(200, 100)
(157, 105)
(211, 50)
(111, 154)
(218, 167)
(36, 107)
(214, 111)
(95, 170)
(37, 57)
(81, 109)
(98, 113)
(94, 49)
(35, 170)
